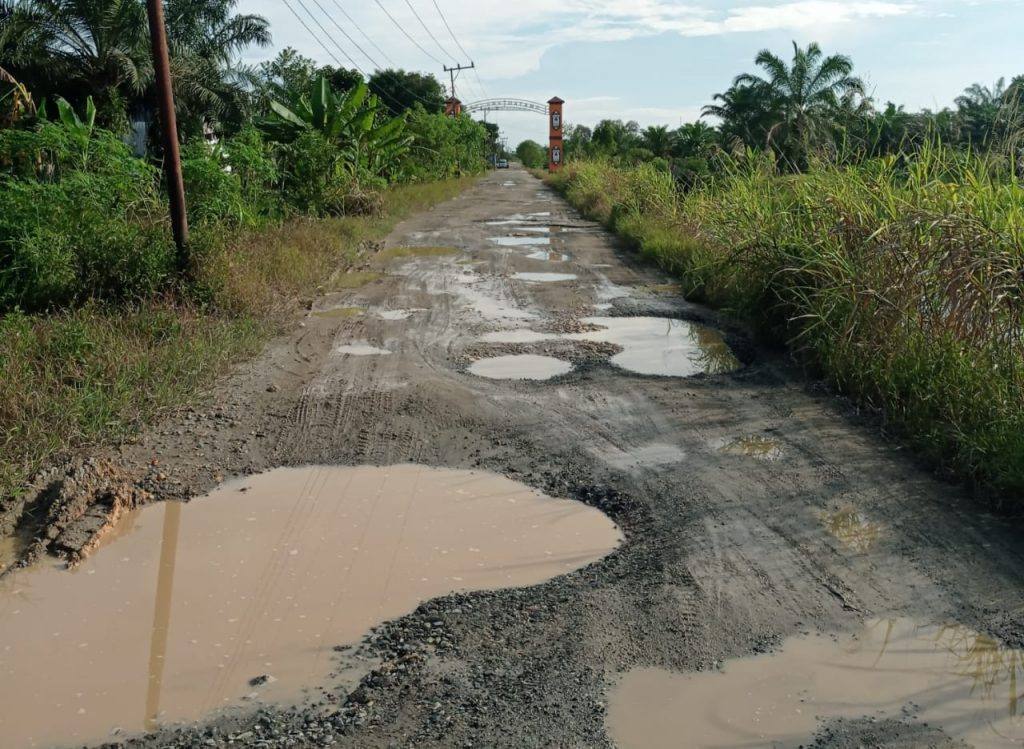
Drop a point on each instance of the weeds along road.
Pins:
(754, 507)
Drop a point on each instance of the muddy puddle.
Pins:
(544, 277)
(751, 446)
(946, 676)
(519, 241)
(852, 528)
(662, 346)
(398, 314)
(519, 367)
(549, 256)
(339, 312)
(360, 348)
(188, 610)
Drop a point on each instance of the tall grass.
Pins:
(901, 279)
(99, 372)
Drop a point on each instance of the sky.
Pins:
(653, 61)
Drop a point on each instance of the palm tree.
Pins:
(746, 113)
(805, 97)
(694, 139)
(204, 38)
(989, 113)
(658, 140)
(100, 48)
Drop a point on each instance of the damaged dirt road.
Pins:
(786, 576)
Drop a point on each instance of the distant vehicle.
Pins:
(502, 164)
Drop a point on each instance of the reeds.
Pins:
(901, 279)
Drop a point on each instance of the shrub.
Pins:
(81, 219)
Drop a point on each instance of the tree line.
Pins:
(812, 105)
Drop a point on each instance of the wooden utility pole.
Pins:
(172, 156)
(456, 69)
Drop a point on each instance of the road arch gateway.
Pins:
(552, 110)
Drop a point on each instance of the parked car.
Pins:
(502, 164)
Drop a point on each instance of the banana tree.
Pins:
(355, 122)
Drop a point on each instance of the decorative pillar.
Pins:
(452, 107)
(556, 152)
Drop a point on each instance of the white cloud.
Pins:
(507, 39)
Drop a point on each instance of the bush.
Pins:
(213, 191)
(444, 147)
(898, 278)
(81, 219)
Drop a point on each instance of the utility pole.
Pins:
(172, 156)
(456, 69)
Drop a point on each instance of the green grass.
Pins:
(898, 279)
(97, 374)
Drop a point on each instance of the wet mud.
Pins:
(766, 521)
(240, 596)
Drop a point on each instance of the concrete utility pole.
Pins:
(172, 157)
(456, 69)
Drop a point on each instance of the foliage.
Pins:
(443, 146)
(898, 277)
(401, 90)
(352, 124)
(81, 219)
(532, 154)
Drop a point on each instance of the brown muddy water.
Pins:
(171, 621)
(752, 446)
(520, 367)
(946, 676)
(662, 346)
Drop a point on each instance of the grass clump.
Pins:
(97, 372)
(899, 278)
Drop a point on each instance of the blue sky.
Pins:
(659, 61)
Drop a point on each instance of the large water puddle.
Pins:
(520, 367)
(549, 256)
(519, 241)
(262, 577)
(360, 348)
(662, 346)
(544, 277)
(949, 676)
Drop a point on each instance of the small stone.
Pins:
(272, 388)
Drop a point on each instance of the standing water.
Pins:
(262, 577)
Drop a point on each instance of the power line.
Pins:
(326, 49)
(330, 18)
(366, 36)
(430, 33)
(407, 34)
(462, 49)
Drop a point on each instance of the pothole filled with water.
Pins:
(852, 529)
(549, 256)
(751, 446)
(662, 346)
(946, 676)
(398, 314)
(339, 312)
(520, 367)
(519, 241)
(194, 604)
(360, 348)
(544, 277)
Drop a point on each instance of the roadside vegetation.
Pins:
(884, 247)
(290, 170)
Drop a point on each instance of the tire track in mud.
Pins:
(726, 553)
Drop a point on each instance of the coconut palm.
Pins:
(746, 114)
(101, 48)
(803, 98)
(658, 140)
